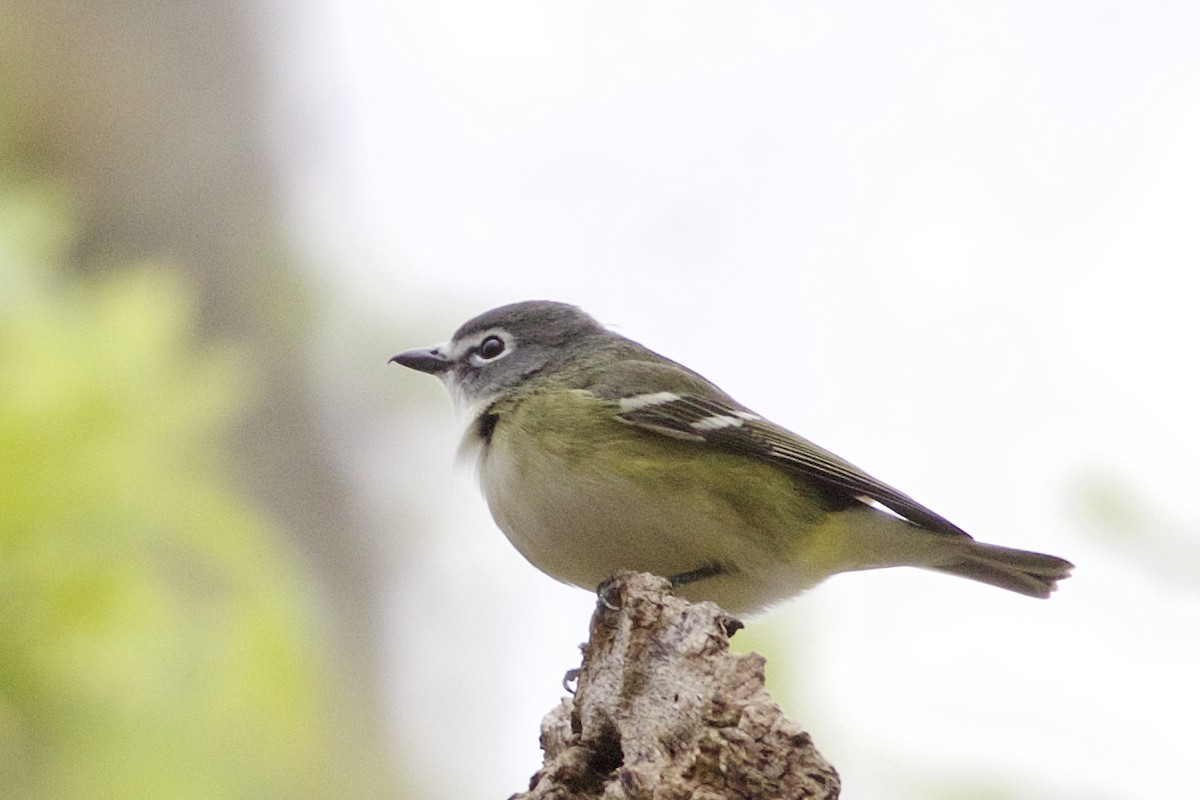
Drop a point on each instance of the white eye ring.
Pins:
(491, 348)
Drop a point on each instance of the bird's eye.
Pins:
(491, 347)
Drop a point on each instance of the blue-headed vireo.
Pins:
(598, 455)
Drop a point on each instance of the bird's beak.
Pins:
(424, 359)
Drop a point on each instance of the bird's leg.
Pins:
(604, 591)
(691, 576)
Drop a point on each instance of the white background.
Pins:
(955, 243)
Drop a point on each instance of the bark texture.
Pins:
(663, 711)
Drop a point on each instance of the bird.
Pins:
(597, 455)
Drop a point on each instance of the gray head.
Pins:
(500, 348)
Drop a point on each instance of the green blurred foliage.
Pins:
(157, 637)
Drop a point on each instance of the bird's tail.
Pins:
(1033, 574)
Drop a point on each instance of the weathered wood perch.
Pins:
(663, 711)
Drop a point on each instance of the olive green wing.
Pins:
(659, 398)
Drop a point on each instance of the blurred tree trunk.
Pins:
(152, 113)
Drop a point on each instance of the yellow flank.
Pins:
(767, 516)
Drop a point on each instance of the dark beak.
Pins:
(424, 359)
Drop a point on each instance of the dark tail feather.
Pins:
(1033, 574)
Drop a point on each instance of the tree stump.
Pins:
(663, 711)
